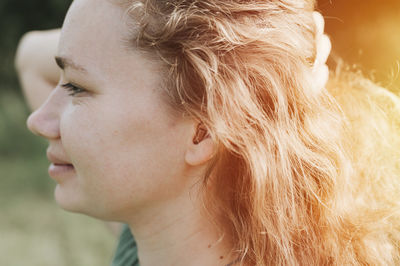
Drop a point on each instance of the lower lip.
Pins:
(56, 170)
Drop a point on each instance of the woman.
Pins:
(200, 125)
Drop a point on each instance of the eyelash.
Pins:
(74, 90)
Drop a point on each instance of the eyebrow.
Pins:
(65, 62)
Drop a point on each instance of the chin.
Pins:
(72, 201)
(68, 201)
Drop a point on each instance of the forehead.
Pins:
(97, 35)
(95, 29)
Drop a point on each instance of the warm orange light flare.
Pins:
(366, 33)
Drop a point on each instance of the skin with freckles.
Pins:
(117, 133)
(110, 135)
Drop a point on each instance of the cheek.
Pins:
(137, 153)
(95, 141)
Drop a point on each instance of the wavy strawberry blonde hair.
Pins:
(302, 175)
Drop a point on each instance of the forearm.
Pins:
(34, 62)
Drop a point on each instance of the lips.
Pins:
(59, 167)
(59, 172)
(57, 160)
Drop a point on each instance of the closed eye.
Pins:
(72, 89)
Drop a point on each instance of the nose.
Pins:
(44, 121)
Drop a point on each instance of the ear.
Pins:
(201, 148)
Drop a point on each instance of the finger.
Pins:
(324, 47)
(321, 76)
(319, 22)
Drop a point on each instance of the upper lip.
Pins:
(56, 159)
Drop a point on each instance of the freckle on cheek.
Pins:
(172, 124)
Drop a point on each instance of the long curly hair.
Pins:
(302, 175)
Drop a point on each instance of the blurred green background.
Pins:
(33, 229)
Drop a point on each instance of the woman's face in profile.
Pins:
(108, 119)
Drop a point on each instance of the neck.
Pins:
(177, 232)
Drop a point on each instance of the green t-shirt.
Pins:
(126, 253)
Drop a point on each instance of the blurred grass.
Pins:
(35, 232)
(33, 229)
